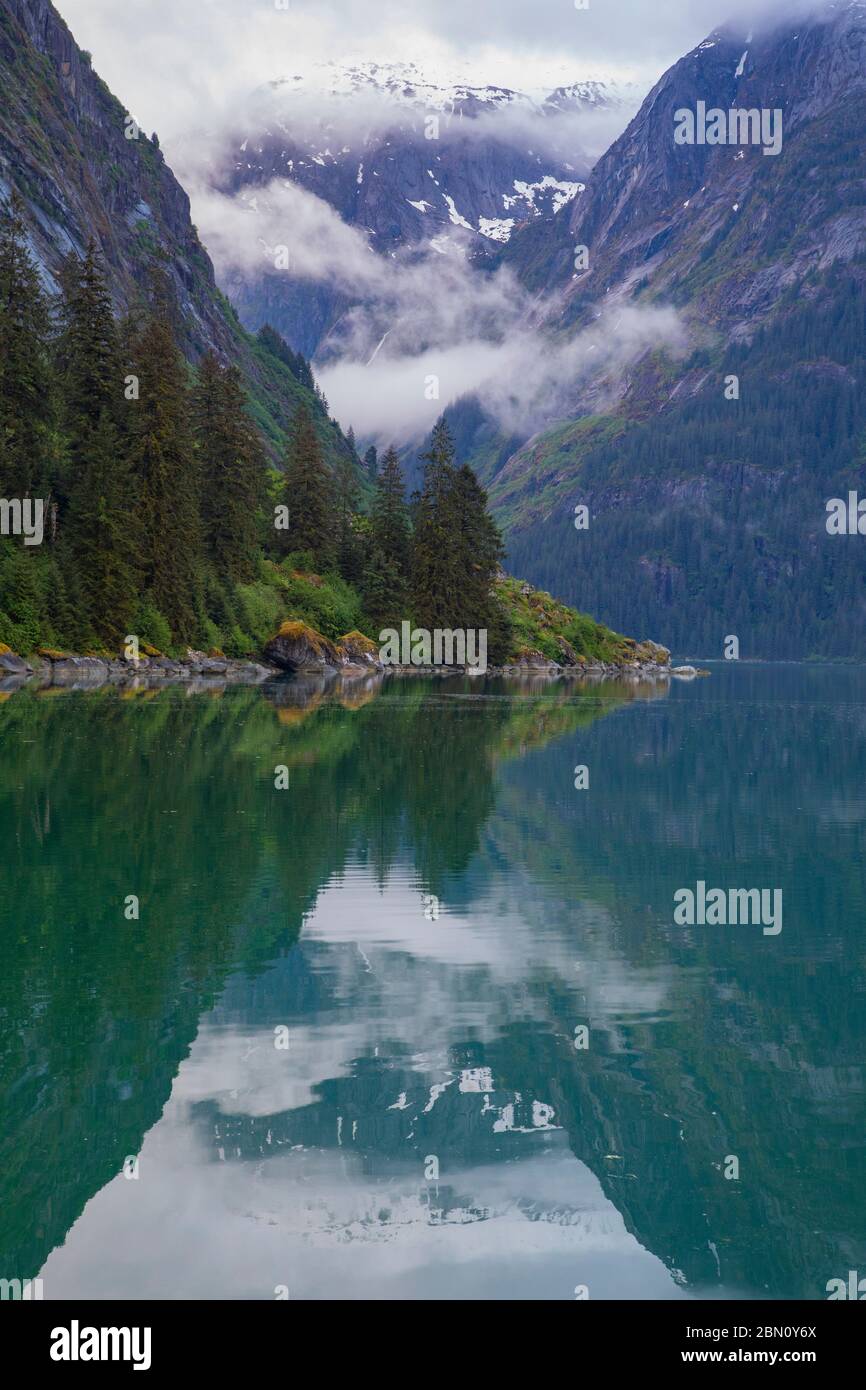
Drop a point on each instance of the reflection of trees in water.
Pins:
(172, 799)
(757, 1052)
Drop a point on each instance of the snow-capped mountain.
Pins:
(409, 162)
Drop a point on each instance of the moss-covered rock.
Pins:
(298, 647)
(358, 650)
(544, 631)
(653, 652)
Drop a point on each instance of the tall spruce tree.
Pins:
(386, 581)
(308, 492)
(164, 464)
(230, 469)
(88, 350)
(436, 577)
(350, 559)
(98, 481)
(25, 367)
(479, 548)
(384, 592)
(371, 462)
(102, 537)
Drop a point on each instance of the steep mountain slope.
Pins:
(725, 228)
(707, 497)
(408, 162)
(64, 148)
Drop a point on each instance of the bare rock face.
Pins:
(657, 212)
(70, 149)
(399, 188)
(297, 647)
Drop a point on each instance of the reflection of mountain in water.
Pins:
(451, 1037)
(173, 799)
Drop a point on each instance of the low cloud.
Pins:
(422, 320)
(523, 380)
(303, 115)
(250, 233)
(180, 63)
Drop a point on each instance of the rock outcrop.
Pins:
(298, 647)
(359, 650)
(11, 664)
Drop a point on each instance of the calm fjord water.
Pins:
(420, 1044)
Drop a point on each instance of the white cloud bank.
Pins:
(418, 315)
(180, 63)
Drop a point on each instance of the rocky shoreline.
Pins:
(198, 670)
(66, 669)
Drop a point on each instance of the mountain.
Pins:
(723, 229)
(708, 497)
(65, 149)
(409, 162)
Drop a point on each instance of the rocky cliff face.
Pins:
(724, 229)
(65, 149)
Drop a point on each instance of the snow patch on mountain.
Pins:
(413, 160)
(406, 84)
(496, 228)
(563, 192)
(455, 216)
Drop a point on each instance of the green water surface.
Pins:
(337, 1048)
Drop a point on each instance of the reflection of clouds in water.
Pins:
(319, 1225)
(400, 983)
(339, 1222)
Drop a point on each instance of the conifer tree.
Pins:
(479, 550)
(309, 494)
(371, 462)
(22, 617)
(164, 466)
(88, 350)
(389, 530)
(350, 561)
(67, 602)
(98, 482)
(102, 537)
(436, 578)
(230, 468)
(384, 591)
(25, 369)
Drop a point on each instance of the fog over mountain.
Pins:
(182, 63)
(355, 212)
(355, 173)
